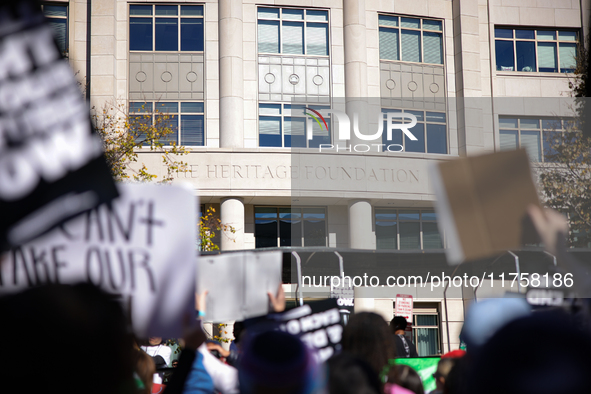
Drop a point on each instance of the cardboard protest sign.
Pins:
(317, 324)
(481, 203)
(51, 162)
(237, 284)
(142, 247)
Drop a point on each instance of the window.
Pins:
(284, 125)
(166, 28)
(532, 50)
(411, 39)
(57, 15)
(293, 31)
(276, 226)
(403, 229)
(430, 131)
(425, 330)
(185, 119)
(530, 133)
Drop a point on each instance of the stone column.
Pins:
(231, 74)
(361, 235)
(354, 31)
(232, 214)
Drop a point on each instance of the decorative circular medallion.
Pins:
(270, 78)
(434, 88)
(390, 84)
(140, 76)
(191, 76)
(166, 76)
(317, 80)
(294, 79)
(412, 86)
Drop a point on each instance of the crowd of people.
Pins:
(76, 339)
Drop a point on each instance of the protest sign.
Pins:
(141, 247)
(482, 202)
(425, 367)
(237, 284)
(51, 163)
(317, 324)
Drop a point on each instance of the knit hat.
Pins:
(276, 361)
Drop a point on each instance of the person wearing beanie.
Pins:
(277, 362)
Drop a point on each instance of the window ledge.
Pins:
(533, 74)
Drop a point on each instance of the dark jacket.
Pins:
(401, 350)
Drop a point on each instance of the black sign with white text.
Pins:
(52, 165)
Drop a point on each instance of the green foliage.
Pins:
(125, 135)
(209, 227)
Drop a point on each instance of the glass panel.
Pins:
(547, 57)
(524, 34)
(167, 10)
(269, 13)
(270, 109)
(386, 235)
(429, 215)
(409, 215)
(551, 139)
(551, 124)
(140, 34)
(167, 107)
(504, 33)
(317, 16)
(508, 123)
(431, 237)
(290, 213)
(191, 10)
(191, 107)
(139, 124)
(192, 130)
(385, 214)
(314, 213)
(140, 10)
(167, 124)
(436, 138)
(433, 47)
(388, 44)
(436, 117)
(413, 23)
(529, 123)
(290, 232)
(167, 34)
(140, 107)
(60, 29)
(429, 24)
(530, 140)
(265, 233)
(411, 45)
(269, 131)
(317, 39)
(410, 237)
(419, 145)
(568, 57)
(55, 10)
(546, 35)
(293, 133)
(191, 34)
(567, 35)
(293, 38)
(388, 20)
(427, 341)
(292, 14)
(504, 55)
(298, 110)
(418, 114)
(265, 212)
(426, 320)
(268, 32)
(314, 233)
(526, 56)
(508, 139)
